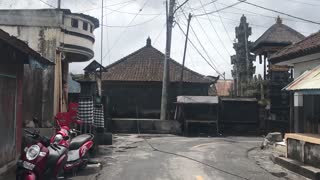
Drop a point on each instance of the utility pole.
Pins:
(99, 82)
(59, 4)
(184, 55)
(165, 81)
(101, 46)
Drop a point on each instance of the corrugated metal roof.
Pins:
(198, 99)
(309, 80)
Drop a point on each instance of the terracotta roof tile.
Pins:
(223, 87)
(309, 45)
(146, 64)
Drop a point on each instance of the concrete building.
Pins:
(62, 37)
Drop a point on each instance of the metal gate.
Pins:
(8, 91)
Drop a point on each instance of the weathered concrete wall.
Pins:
(50, 32)
(300, 68)
(304, 152)
(39, 85)
(312, 154)
(294, 149)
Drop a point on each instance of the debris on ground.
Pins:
(271, 139)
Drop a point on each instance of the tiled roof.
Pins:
(309, 80)
(309, 45)
(146, 64)
(278, 34)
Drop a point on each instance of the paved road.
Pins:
(132, 158)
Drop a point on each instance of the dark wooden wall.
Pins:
(11, 87)
(142, 100)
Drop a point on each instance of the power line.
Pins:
(180, 6)
(155, 40)
(236, 21)
(224, 27)
(234, 4)
(115, 10)
(200, 41)
(47, 3)
(132, 13)
(206, 4)
(300, 2)
(116, 4)
(214, 30)
(296, 17)
(258, 14)
(123, 32)
(192, 44)
(222, 57)
(134, 25)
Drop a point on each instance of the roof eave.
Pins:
(293, 55)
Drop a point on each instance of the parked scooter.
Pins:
(78, 145)
(41, 160)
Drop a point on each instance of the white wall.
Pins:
(300, 68)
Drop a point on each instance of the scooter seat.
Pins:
(55, 153)
(77, 141)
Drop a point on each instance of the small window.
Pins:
(74, 23)
(91, 28)
(85, 26)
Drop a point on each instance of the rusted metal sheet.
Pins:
(7, 118)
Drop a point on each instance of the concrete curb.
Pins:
(297, 167)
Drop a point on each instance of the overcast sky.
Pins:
(215, 35)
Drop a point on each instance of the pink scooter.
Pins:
(77, 145)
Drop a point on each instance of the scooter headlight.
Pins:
(33, 152)
(57, 139)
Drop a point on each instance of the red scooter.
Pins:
(78, 146)
(42, 159)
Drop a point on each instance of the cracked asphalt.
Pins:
(162, 157)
